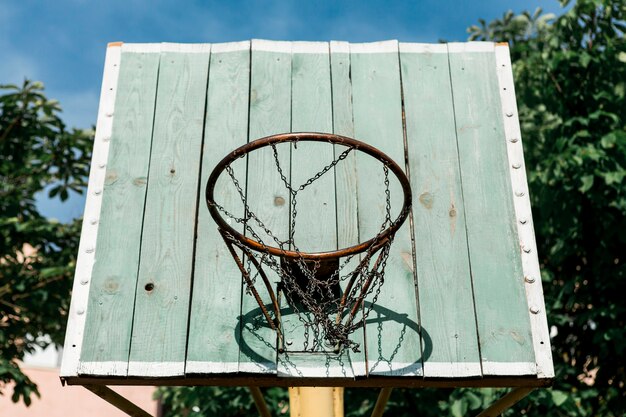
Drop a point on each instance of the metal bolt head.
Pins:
(84, 281)
(109, 114)
(509, 114)
(93, 221)
(80, 311)
(102, 165)
(520, 193)
(106, 138)
(90, 249)
(517, 165)
(98, 191)
(289, 342)
(534, 309)
(523, 220)
(526, 249)
(513, 140)
(529, 279)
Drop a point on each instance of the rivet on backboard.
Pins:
(102, 165)
(529, 279)
(517, 165)
(110, 114)
(84, 281)
(519, 193)
(289, 342)
(93, 221)
(523, 220)
(526, 249)
(98, 191)
(106, 138)
(513, 140)
(90, 249)
(534, 309)
(509, 114)
(80, 311)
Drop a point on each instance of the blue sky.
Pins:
(62, 42)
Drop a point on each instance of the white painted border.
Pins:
(186, 47)
(89, 232)
(271, 46)
(209, 367)
(106, 368)
(460, 47)
(230, 47)
(452, 369)
(423, 48)
(310, 47)
(374, 47)
(523, 214)
(156, 369)
(258, 368)
(142, 47)
(396, 369)
(509, 368)
(339, 47)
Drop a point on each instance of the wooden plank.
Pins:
(162, 300)
(393, 341)
(316, 227)
(448, 323)
(216, 302)
(86, 250)
(525, 229)
(345, 175)
(114, 277)
(270, 113)
(501, 311)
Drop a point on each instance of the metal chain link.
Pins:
(314, 303)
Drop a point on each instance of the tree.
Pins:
(37, 255)
(570, 74)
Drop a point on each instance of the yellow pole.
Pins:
(316, 401)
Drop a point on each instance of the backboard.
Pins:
(157, 297)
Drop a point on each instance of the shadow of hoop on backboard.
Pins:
(258, 344)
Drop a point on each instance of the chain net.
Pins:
(326, 296)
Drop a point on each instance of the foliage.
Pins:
(570, 76)
(37, 255)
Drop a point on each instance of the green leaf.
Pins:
(558, 397)
(587, 183)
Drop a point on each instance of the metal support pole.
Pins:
(506, 402)
(259, 401)
(381, 402)
(115, 399)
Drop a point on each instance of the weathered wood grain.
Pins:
(213, 338)
(393, 341)
(159, 334)
(270, 113)
(501, 311)
(448, 323)
(345, 175)
(76, 319)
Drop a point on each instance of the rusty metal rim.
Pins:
(309, 137)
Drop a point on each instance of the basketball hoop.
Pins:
(310, 280)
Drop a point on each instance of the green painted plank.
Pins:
(345, 175)
(316, 228)
(448, 324)
(216, 302)
(393, 342)
(106, 341)
(162, 299)
(501, 308)
(270, 113)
